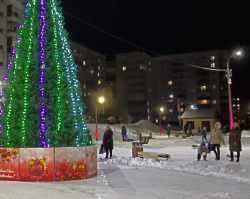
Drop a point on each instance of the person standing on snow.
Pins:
(169, 130)
(123, 130)
(204, 133)
(235, 141)
(185, 128)
(108, 141)
(190, 133)
(216, 138)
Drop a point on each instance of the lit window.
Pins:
(181, 103)
(85, 94)
(124, 68)
(99, 60)
(156, 121)
(214, 86)
(214, 102)
(203, 101)
(147, 103)
(238, 99)
(212, 58)
(233, 98)
(149, 63)
(181, 110)
(148, 118)
(91, 71)
(99, 67)
(171, 110)
(148, 110)
(221, 88)
(84, 63)
(149, 69)
(170, 83)
(99, 82)
(164, 118)
(213, 65)
(84, 85)
(203, 88)
(75, 50)
(234, 105)
(171, 96)
(238, 105)
(142, 67)
(98, 74)
(193, 91)
(89, 94)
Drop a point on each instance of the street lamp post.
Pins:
(160, 111)
(229, 81)
(101, 100)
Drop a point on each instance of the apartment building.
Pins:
(91, 75)
(172, 82)
(10, 13)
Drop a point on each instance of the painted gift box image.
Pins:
(37, 164)
(9, 164)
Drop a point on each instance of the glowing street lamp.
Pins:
(160, 112)
(229, 81)
(101, 100)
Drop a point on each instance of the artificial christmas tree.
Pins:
(41, 99)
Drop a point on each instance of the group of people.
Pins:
(216, 139)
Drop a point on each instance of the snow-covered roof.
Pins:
(200, 113)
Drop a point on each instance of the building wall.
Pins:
(198, 123)
(133, 75)
(10, 13)
(91, 75)
(149, 83)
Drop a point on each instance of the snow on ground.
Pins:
(180, 177)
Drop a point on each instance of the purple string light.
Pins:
(42, 72)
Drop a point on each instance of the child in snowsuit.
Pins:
(202, 151)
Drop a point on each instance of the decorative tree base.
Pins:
(48, 164)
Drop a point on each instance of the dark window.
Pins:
(1, 64)
(1, 47)
(9, 10)
(1, 30)
(9, 41)
(192, 124)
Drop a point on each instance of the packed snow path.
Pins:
(125, 182)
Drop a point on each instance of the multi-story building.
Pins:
(133, 81)
(91, 75)
(173, 82)
(10, 13)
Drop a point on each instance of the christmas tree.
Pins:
(41, 97)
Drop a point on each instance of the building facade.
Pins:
(10, 13)
(91, 75)
(172, 82)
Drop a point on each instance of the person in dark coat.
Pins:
(169, 130)
(123, 130)
(185, 128)
(204, 133)
(235, 141)
(190, 133)
(108, 141)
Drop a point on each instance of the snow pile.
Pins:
(148, 126)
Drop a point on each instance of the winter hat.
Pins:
(236, 124)
(108, 126)
(217, 125)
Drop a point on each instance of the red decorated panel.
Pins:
(91, 156)
(70, 163)
(37, 164)
(9, 164)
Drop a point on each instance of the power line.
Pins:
(137, 46)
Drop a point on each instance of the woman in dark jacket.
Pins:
(108, 141)
(235, 141)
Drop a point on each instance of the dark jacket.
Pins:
(124, 130)
(204, 132)
(235, 140)
(168, 130)
(108, 139)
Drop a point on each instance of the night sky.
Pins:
(163, 26)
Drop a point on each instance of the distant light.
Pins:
(192, 106)
(238, 53)
(0, 83)
(161, 109)
(101, 100)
